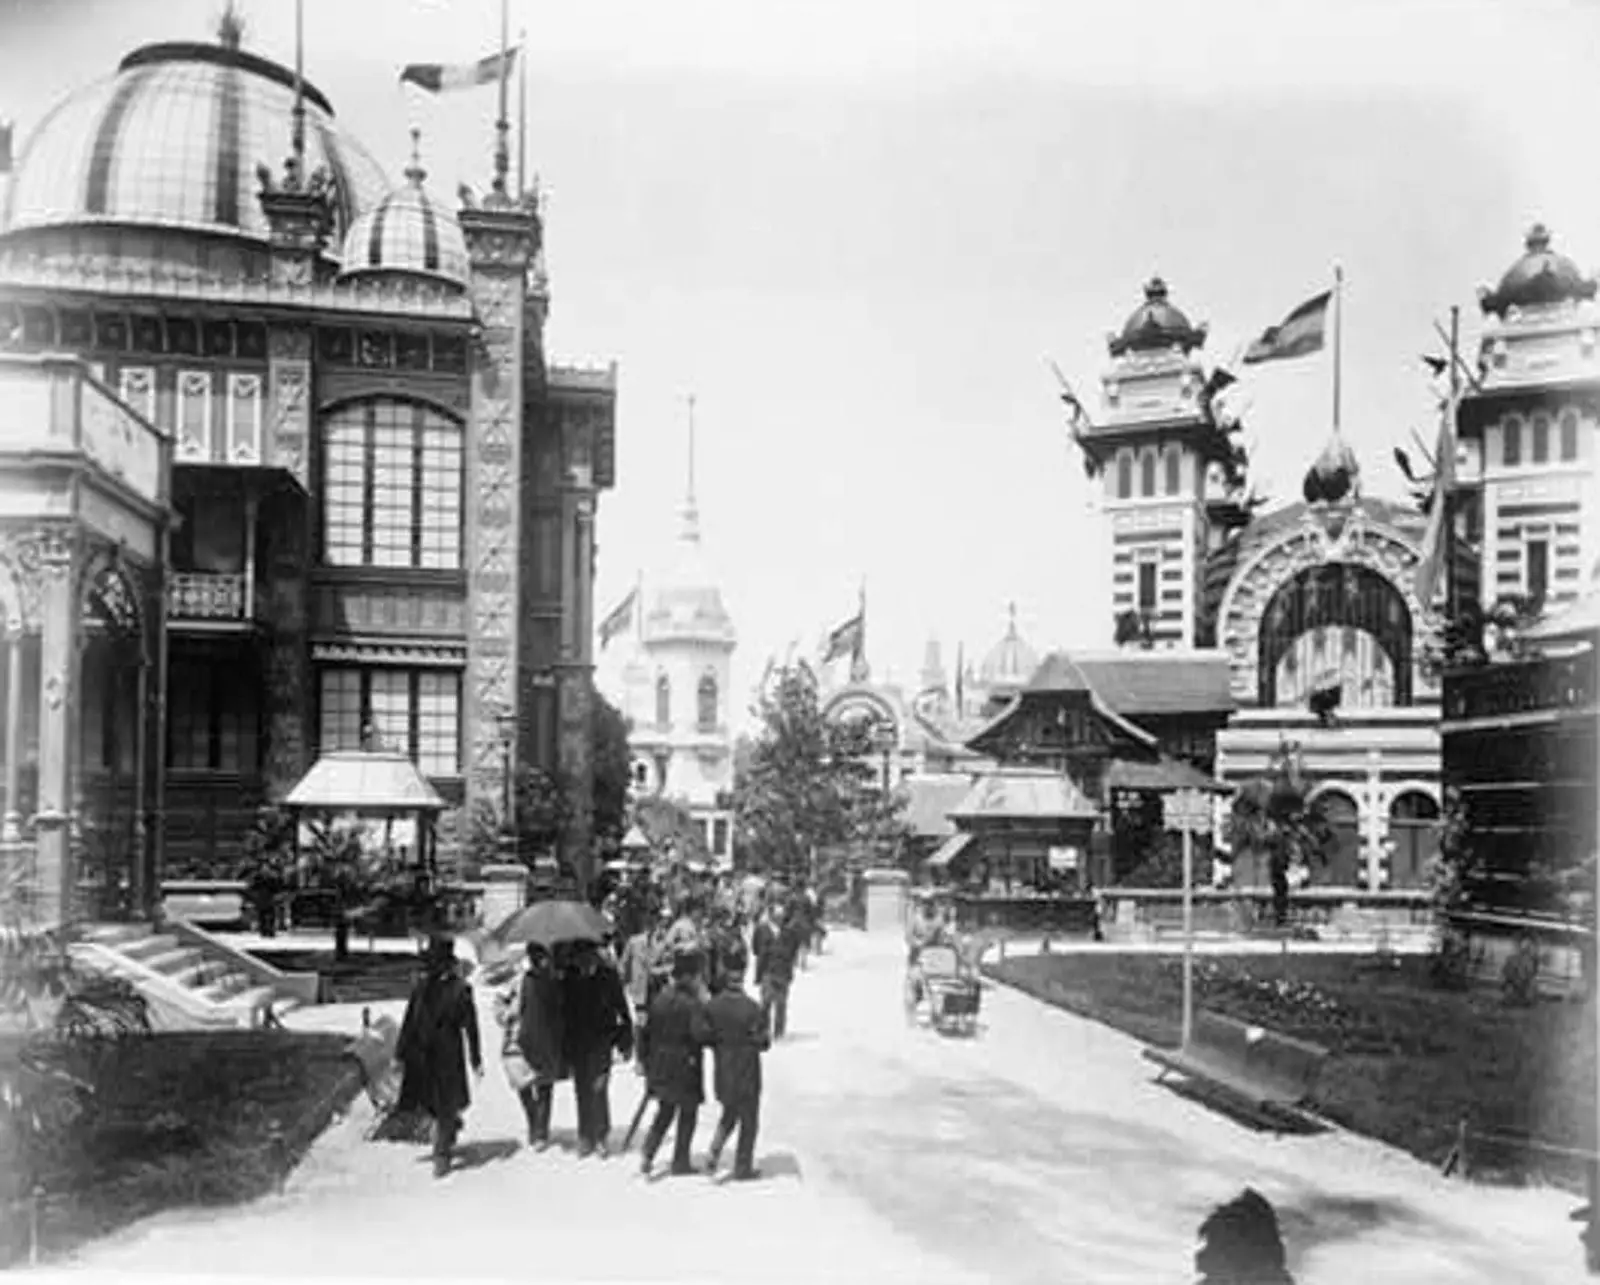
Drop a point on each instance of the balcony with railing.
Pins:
(1547, 687)
(210, 600)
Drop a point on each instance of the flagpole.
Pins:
(502, 126)
(522, 111)
(1338, 338)
(1444, 470)
(297, 145)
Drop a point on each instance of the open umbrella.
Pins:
(550, 923)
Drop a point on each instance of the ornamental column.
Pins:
(11, 823)
(502, 237)
(58, 684)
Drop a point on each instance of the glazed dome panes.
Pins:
(177, 143)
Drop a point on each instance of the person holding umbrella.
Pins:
(539, 1034)
(597, 1024)
(439, 1016)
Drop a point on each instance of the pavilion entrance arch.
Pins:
(1337, 623)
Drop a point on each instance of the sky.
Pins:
(856, 229)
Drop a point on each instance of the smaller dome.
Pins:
(1334, 476)
(1011, 662)
(1156, 325)
(410, 232)
(1539, 277)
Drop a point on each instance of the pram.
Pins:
(942, 985)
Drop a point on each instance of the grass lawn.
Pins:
(176, 1120)
(1407, 1060)
(364, 978)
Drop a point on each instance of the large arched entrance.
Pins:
(1340, 625)
(1414, 832)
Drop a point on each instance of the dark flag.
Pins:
(1438, 365)
(438, 77)
(1297, 335)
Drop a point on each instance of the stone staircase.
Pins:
(190, 980)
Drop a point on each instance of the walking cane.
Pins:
(638, 1117)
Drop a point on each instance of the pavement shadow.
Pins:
(1223, 1105)
(475, 1155)
(795, 1037)
(780, 1164)
(1315, 1220)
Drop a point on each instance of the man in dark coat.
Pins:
(597, 1024)
(541, 1037)
(675, 1037)
(439, 1016)
(738, 1039)
(777, 946)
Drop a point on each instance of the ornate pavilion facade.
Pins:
(284, 467)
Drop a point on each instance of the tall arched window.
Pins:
(1569, 435)
(663, 701)
(1511, 442)
(1147, 473)
(1541, 439)
(706, 699)
(1124, 476)
(1174, 470)
(391, 486)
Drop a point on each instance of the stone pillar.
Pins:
(1377, 819)
(11, 824)
(505, 891)
(58, 682)
(501, 239)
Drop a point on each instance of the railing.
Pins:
(1544, 683)
(206, 596)
(48, 402)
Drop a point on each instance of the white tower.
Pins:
(682, 737)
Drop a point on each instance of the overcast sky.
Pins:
(855, 229)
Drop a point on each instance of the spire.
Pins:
(691, 510)
(1011, 626)
(230, 27)
(414, 172)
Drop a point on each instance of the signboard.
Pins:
(1063, 858)
(1187, 810)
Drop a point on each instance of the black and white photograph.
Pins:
(711, 641)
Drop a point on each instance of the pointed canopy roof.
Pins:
(364, 781)
(1014, 794)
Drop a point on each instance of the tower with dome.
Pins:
(670, 674)
(366, 502)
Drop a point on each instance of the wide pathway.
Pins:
(1039, 1151)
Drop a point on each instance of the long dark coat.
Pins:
(675, 1040)
(439, 1016)
(541, 1025)
(777, 952)
(738, 1038)
(596, 1011)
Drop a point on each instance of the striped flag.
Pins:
(1297, 335)
(846, 639)
(439, 77)
(620, 618)
(1431, 571)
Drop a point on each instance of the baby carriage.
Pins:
(942, 987)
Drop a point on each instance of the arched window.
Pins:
(1569, 435)
(1124, 476)
(1147, 473)
(707, 703)
(663, 702)
(1511, 442)
(1174, 470)
(391, 486)
(1541, 439)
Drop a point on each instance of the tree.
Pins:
(613, 772)
(1274, 816)
(810, 783)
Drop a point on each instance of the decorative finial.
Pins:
(1538, 240)
(691, 510)
(1011, 627)
(1155, 290)
(414, 172)
(230, 27)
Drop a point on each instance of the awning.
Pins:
(950, 849)
(364, 781)
(1164, 775)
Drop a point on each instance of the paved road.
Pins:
(1039, 1151)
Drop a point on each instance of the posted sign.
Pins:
(1188, 811)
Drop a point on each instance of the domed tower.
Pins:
(407, 235)
(683, 746)
(1527, 454)
(1007, 668)
(1150, 444)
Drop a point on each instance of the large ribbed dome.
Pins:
(1011, 662)
(1541, 276)
(409, 232)
(174, 139)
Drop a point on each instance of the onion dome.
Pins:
(1335, 476)
(408, 232)
(1010, 662)
(1539, 277)
(174, 139)
(1156, 325)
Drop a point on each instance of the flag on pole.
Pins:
(1297, 335)
(846, 639)
(1431, 575)
(439, 78)
(620, 618)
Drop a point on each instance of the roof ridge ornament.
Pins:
(231, 26)
(414, 172)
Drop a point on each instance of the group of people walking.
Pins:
(569, 1011)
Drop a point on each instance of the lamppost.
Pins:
(506, 723)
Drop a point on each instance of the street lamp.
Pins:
(506, 723)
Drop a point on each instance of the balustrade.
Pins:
(193, 595)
